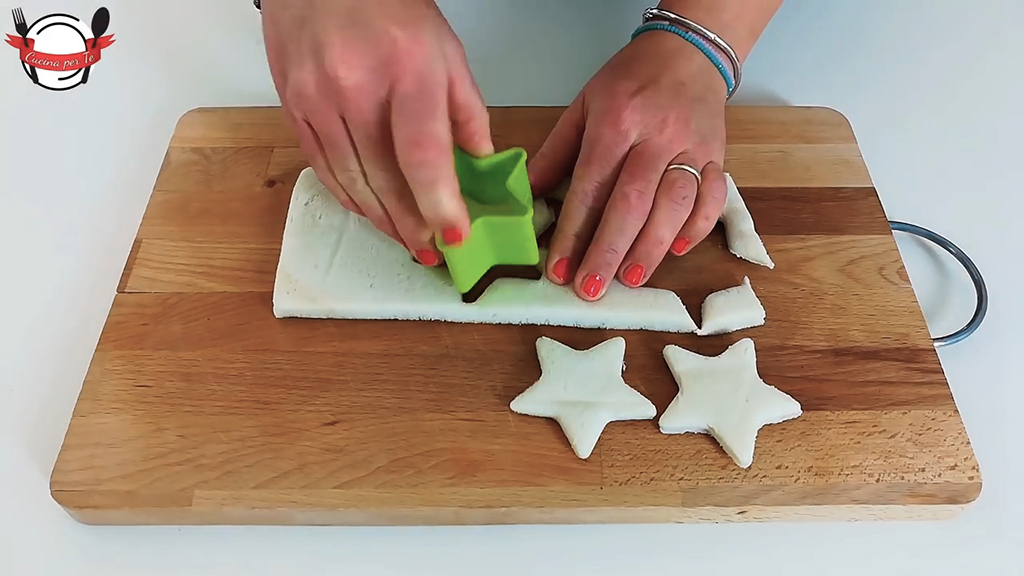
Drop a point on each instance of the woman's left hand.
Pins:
(658, 102)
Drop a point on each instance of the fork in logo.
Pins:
(22, 28)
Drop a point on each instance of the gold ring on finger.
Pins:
(688, 168)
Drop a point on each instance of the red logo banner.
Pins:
(59, 62)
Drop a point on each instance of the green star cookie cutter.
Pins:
(499, 200)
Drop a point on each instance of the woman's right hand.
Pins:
(379, 93)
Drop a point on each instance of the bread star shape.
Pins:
(583, 391)
(725, 397)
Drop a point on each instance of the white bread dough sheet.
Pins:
(335, 264)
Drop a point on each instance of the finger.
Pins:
(424, 149)
(601, 158)
(471, 122)
(341, 155)
(371, 132)
(628, 209)
(314, 150)
(673, 203)
(553, 162)
(707, 207)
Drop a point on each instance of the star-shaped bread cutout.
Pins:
(725, 397)
(583, 391)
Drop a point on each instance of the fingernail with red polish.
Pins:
(561, 270)
(452, 236)
(592, 285)
(634, 275)
(680, 245)
(427, 257)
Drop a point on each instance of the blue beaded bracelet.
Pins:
(698, 43)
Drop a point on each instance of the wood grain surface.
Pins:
(200, 407)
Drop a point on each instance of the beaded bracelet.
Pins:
(687, 24)
(707, 38)
(698, 43)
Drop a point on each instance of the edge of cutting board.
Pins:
(503, 516)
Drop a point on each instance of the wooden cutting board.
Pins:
(200, 407)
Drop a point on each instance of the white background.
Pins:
(934, 90)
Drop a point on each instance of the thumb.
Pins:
(471, 123)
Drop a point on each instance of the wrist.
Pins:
(681, 59)
(712, 50)
(739, 23)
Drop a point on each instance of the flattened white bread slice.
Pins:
(335, 264)
(740, 234)
(730, 310)
(583, 390)
(724, 396)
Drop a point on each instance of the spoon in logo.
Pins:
(100, 22)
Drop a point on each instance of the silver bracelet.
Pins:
(657, 13)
